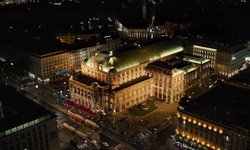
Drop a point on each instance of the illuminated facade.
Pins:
(49, 67)
(138, 33)
(225, 59)
(120, 77)
(216, 120)
(174, 76)
(200, 133)
(199, 70)
(168, 81)
(206, 52)
(134, 33)
(25, 124)
(53, 64)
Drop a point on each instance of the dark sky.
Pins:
(206, 16)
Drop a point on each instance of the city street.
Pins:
(135, 133)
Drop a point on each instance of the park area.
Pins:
(144, 108)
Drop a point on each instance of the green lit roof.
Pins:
(195, 59)
(188, 68)
(124, 59)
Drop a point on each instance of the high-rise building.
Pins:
(24, 124)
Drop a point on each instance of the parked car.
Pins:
(169, 117)
(105, 144)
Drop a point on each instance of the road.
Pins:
(41, 94)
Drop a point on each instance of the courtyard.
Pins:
(136, 119)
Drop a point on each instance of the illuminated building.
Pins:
(168, 81)
(46, 60)
(50, 61)
(24, 123)
(50, 66)
(226, 58)
(174, 76)
(215, 120)
(133, 31)
(112, 82)
(78, 55)
(136, 19)
(202, 69)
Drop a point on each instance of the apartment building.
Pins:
(48, 67)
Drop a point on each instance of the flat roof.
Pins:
(16, 109)
(192, 58)
(39, 46)
(226, 103)
(228, 46)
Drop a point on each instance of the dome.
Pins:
(124, 59)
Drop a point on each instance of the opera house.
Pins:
(111, 82)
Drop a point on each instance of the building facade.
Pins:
(168, 81)
(215, 120)
(197, 71)
(226, 58)
(50, 66)
(53, 64)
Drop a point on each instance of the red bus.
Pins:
(76, 116)
(81, 134)
(69, 127)
(92, 124)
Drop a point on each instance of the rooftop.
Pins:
(122, 59)
(226, 103)
(46, 45)
(17, 110)
(192, 58)
(166, 67)
(229, 46)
